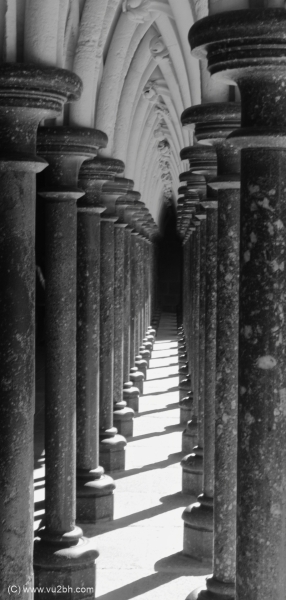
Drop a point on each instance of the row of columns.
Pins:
(233, 232)
(99, 298)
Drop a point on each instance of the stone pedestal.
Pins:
(94, 488)
(28, 94)
(261, 75)
(60, 546)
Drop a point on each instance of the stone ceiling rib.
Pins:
(122, 49)
(184, 20)
(133, 82)
(170, 36)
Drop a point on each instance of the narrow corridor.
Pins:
(141, 550)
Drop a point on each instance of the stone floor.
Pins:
(141, 550)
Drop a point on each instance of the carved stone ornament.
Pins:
(161, 131)
(161, 109)
(164, 148)
(150, 92)
(158, 49)
(138, 11)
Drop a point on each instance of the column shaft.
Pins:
(27, 95)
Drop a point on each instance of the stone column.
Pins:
(261, 537)
(112, 445)
(61, 547)
(136, 377)
(123, 414)
(214, 122)
(28, 94)
(130, 393)
(94, 487)
(192, 464)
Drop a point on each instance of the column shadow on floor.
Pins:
(169, 502)
(162, 464)
(167, 569)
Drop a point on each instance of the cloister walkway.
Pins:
(141, 550)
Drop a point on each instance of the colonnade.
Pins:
(232, 225)
(100, 275)
(99, 303)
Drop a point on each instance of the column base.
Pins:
(198, 531)
(141, 365)
(95, 498)
(190, 436)
(185, 387)
(217, 590)
(183, 372)
(145, 354)
(183, 358)
(137, 378)
(131, 396)
(192, 476)
(65, 572)
(123, 420)
(205, 594)
(112, 453)
(147, 344)
(186, 408)
(151, 330)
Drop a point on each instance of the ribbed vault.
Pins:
(138, 76)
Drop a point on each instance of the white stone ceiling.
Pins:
(134, 59)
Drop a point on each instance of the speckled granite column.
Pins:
(136, 377)
(61, 546)
(214, 122)
(193, 464)
(125, 208)
(190, 434)
(94, 487)
(146, 279)
(112, 445)
(261, 537)
(123, 415)
(28, 94)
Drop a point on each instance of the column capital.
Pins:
(29, 94)
(214, 122)
(92, 176)
(111, 191)
(194, 183)
(65, 149)
(202, 160)
(246, 47)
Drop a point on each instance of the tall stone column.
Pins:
(94, 487)
(136, 377)
(123, 414)
(61, 547)
(28, 94)
(261, 75)
(112, 445)
(130, 393)
(214, 122)
(192, 464)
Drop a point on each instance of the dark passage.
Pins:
(169, 261)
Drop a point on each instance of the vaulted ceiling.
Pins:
(138, 74)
